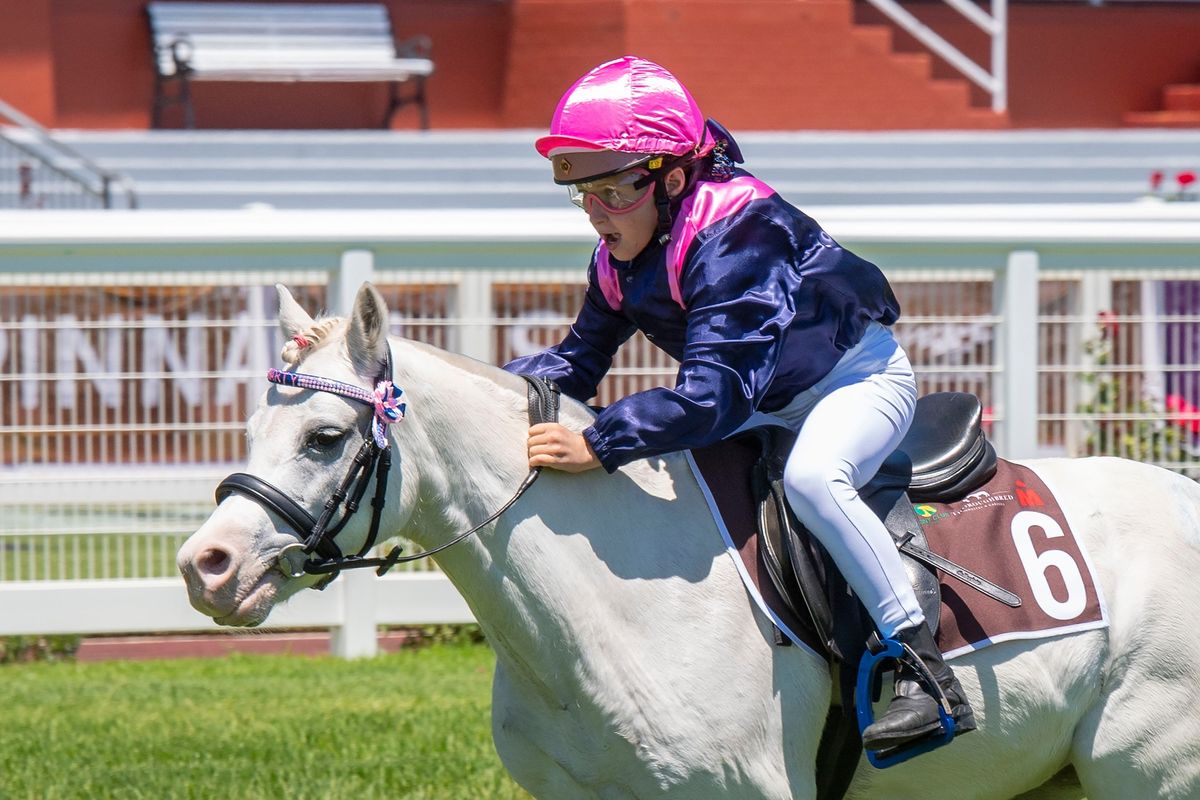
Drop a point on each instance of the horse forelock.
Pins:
(302, 345)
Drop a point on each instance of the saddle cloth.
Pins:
(1011, 531)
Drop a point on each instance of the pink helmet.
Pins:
(619, 115)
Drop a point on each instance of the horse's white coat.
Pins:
(630, 662)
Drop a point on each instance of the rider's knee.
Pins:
(812, 483)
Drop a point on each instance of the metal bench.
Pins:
(282, 43)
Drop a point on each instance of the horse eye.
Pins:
(324, 438)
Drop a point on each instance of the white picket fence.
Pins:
(133, 343)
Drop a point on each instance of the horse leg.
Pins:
(1142, 741)
(1140, 737)
(1063, 786)
(538, 773)
(531, 766)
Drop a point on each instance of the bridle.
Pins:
(317, 535)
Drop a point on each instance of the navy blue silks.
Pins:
(772, 302)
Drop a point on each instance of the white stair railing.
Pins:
(45, 173)
(994, 24)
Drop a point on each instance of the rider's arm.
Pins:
(579, 362)
(743, 293)
(769, 299)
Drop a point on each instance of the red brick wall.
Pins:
(27, 76)
(762, 64)
(754, 64)
(1075, 65)
(98, 71)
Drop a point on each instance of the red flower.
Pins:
(1185, 179)
(1109, 326)
(1188, 418)
(1156, 179)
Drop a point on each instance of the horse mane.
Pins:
(327, 329)
(570, 408)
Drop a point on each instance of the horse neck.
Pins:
(463, 440)
(530, 575)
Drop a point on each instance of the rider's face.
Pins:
(627, 232)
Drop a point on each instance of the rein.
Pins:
(317, 535)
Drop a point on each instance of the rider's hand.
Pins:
(552, 445)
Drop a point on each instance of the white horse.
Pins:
(630, 661)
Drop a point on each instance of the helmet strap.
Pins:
(662, 202)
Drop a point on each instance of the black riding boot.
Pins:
(913, 712)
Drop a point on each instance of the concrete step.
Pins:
(436, 180)
(876, 38)
(798, 189)
(498, 169)
(1182, 97)
(467, 147)
(803, 197)
(305, 145)
(1163, 119)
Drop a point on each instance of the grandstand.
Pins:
(499, 169)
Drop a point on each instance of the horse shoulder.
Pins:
(661, 670)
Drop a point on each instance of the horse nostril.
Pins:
(214, 561)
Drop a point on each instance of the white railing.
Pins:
(132, 345)
(995, 25)
(46, 173)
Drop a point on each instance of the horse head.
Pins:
(302, 446)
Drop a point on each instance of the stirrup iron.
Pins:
(868, 689)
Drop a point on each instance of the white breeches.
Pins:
(846, 425)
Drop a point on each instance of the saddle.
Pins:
(944, 457)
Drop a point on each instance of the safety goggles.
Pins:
(616, 194)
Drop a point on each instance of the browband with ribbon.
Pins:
(387, 399)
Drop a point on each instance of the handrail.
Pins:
(994, 24)
(63, 160)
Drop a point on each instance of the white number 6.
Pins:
(1036, 566)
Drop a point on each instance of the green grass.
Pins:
(414, 724)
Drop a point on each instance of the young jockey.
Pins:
(765, 313)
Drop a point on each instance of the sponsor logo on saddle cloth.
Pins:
(1011, 531)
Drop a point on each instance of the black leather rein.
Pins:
(317, 535)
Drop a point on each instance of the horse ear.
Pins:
(367, 340)
(293, 319)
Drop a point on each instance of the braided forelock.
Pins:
(296, 348)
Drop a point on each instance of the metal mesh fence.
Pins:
(124, 395)
(124, 399)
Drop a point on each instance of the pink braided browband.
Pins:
(387, 399)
